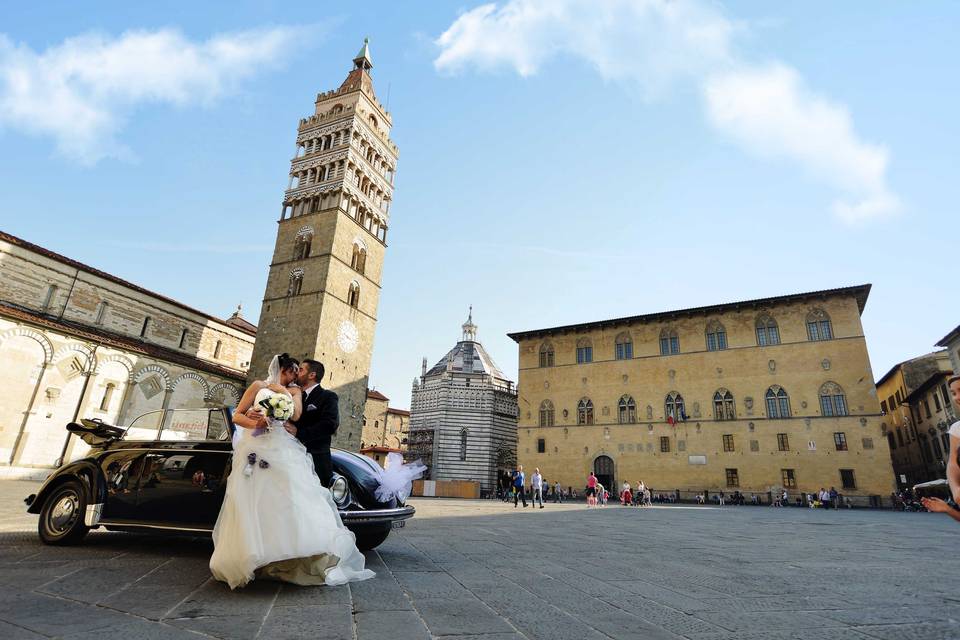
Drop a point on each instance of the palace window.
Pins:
(818, 325)
(778, 403)
(624, 347)
(664, 444)
(788, 478)
(723, 406)
(767, 331)
(716, 336)
(728, 445)
(627, 410)
(183, 338)
(900, 436)
(840, 440)
(883, 407)
(783, 442)
(585, 411)
(669, 342)
(295, 282)
(546, 414)
(733, 478)
(584, 351)
(833, 402)
(353, 296)
(890, 441)
(674, 407)
(847, 479)
(938, 452)
(546, 355)
(936, 401)
(926, 406)
(107, 395)
(541, 445)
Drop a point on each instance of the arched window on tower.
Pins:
(359, 261)
(669, 342)
(624, 347)
(833, 401)
(546, 414)
(716, 336)
(301, 244)
(627, 410)
(768, 332)
(295, 282)
(778, 402)
(353, 297)
(546, 355)
(723, 406)
(819, 326)
(585, 411)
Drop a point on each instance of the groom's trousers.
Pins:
(323, 465)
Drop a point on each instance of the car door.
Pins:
(184, 474)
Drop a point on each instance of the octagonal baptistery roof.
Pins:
(468, 356)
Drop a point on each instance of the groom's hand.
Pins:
(292, 430)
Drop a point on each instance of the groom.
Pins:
(319, 419)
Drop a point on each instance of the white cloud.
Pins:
(656, 44)
(81, 91)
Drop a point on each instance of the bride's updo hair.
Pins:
(287, 363)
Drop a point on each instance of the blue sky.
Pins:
(561, 160)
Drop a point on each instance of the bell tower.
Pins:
(324, 282)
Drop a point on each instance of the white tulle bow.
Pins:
(396, 480)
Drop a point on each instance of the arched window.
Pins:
(546, 355)
(673, 407)
(624, 347)
(723, 407)
(353, 297)
(833, 402)
(716, 336)
(107, 395)
(301, 244)
(818, 325)
(585, 411)
(359, 260)
(627, 410)
(295, 282)
(767, 331)
(546, 414)
(463, 444)
(584, 351)
(778, 402)
(669, 342)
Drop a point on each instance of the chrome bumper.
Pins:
(376, 516)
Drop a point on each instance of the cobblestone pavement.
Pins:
(486, 571)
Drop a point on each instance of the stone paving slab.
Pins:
(481, 570)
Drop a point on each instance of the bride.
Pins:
(277, 520)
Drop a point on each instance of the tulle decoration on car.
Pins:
(396, 480)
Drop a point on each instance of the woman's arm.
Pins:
(297, 394)
(246, 402)
(953, 469)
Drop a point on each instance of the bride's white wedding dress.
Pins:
(278, 520)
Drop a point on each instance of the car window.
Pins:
(145, 427)
(217, 428)
(185, 424)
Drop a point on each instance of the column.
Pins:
(122, 414)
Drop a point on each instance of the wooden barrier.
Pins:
(446, 488)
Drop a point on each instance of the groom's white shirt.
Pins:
(307, 390)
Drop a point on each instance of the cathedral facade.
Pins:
(463, 416)
(751, 396)
(323, 287)
(76, 342)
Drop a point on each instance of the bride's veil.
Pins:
(273, 371)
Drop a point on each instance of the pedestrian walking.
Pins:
(834, 498)
(537, 483)
(626, 496)
(592, 490)
(518, 487)
(557, 493)
(720, 499)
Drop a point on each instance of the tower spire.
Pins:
(469, 329)
(363, 61)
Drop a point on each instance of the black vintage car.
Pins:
(168, 471)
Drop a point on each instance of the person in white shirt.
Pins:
(537, 482)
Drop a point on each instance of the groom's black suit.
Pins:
(315, 428)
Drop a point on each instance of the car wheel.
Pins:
(61, 518)
(368, 540)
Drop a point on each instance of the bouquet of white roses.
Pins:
(278, 407)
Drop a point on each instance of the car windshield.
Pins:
(180, 425)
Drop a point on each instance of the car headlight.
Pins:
(340, 491)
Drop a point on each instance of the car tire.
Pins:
(368, 540)
(61, 517)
